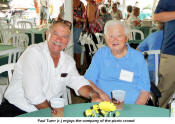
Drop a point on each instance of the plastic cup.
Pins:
(58, 105)
(118, 97)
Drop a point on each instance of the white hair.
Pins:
(112, 23)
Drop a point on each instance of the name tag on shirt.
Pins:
(126, 75)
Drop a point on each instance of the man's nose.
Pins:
(59, 38)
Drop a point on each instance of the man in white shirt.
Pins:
(133, 20)
(42, 72)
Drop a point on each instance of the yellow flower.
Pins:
(88, 112)
(107, 106)
(117, 113)
(95, 108)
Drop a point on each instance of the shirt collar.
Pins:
(125, 57)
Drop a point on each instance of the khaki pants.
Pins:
(167, 79)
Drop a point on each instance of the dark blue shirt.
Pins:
(168, 43)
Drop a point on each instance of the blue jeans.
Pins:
(77, 45)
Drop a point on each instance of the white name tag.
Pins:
(126, 75)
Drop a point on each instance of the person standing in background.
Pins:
(61, 14)
(105, 16)
(129, 11)
(116, 13)
(44, 11)
(78, 22)
(165, 12)
(108, 6)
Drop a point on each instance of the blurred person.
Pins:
(119, 67)
(61, 13)
(116, 13)
(129, 11)
(105, 16)
(133, 19)
(108, 5)
(42, 72)
(92, 18)
(44, 11)
(165, 12)
(78, 22)
(118, 6)
(152, 42)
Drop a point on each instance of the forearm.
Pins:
(95, 87)
(89, 93)
(102, 94)
(143, 98)
(43, 105)
(164, 16)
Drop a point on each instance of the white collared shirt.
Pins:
(35, 78)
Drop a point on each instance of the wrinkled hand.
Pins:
(96, 99)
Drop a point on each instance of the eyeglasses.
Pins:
(67, 23)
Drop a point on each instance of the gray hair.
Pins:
(112, 23)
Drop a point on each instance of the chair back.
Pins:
(6, 68)
(156, 54)
(5, 36)
(133, 33)
(151, 30)
(20, 40)
(24, 24)
(13, 54)
(154, 90)
(100, 38)
(91, 45)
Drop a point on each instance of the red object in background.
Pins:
(36, 6)
(98, 1)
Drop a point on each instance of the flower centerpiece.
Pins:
(103, 109)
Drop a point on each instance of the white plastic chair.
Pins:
(151, 30)
(24, 24)
(6, 26)
(100, 37)
(5, 68)
(91, 45)
(154, 89)
(6, 35)
(13, 54)
(20, 40)
(67, 96)
(156, 54)
(133, 33)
